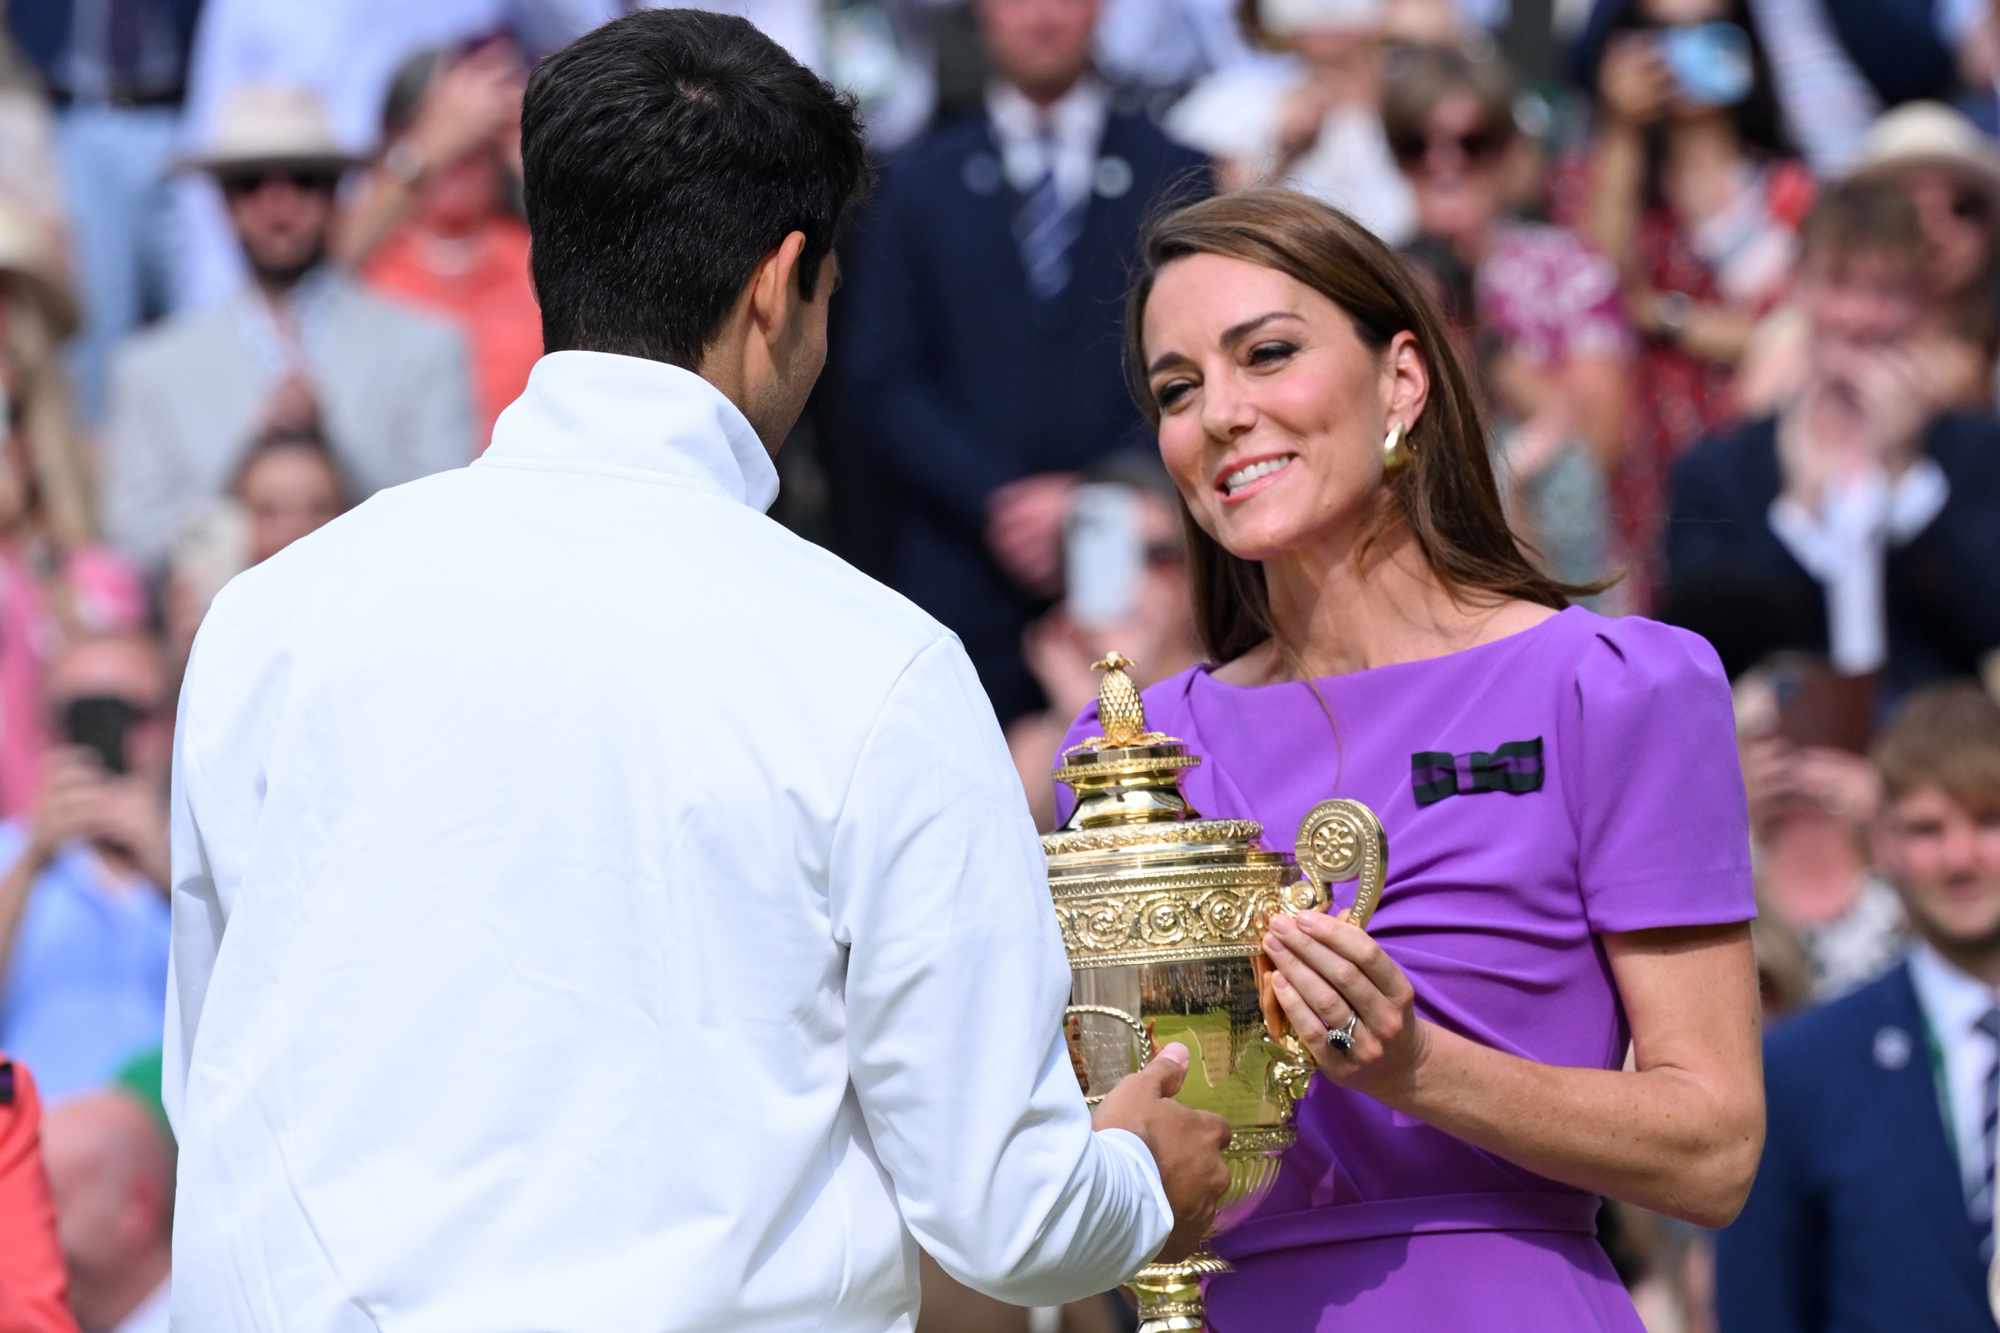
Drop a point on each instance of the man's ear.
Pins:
(772, 285)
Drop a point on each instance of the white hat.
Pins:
(1289, 18)
(272, 126)
(1927, 134)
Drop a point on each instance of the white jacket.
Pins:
(597, 909)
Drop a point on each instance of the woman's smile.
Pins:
(1243, 478)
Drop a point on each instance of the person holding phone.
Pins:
(1694, 193)
(1124, 587)
(83, 908)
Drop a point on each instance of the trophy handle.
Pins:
(1341, 840)
(1106, 1011)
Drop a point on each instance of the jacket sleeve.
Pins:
(442, 417)
(196, 935)
(31, 1267)
(1701, 536)
(1770, 1261)
(904, 419)
(145, 492)
(1949, 573)
(956, 983)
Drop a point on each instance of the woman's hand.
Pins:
(1328, 969)
(1634, 81)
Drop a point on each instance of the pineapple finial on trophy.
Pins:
(1119, 709)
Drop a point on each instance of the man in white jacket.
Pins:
(594, 908)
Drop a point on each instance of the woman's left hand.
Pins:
(1327, 970)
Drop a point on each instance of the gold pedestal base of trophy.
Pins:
(1170, 1294)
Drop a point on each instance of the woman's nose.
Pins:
(1225, 413)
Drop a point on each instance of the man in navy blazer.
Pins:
(1862, 523)
(977, 360)
(1873, 1209)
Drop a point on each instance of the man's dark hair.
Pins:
(1863, 216)
(665, 155)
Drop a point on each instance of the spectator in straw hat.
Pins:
(1950, 172)
(302, 342)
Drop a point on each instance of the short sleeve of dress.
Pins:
(1079, 731)
(1653, 783)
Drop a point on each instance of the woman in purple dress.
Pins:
(1569, 879)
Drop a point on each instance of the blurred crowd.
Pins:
(1729, 271)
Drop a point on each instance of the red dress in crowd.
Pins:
(1681, 397)
(32, 1296)
(1678, 397)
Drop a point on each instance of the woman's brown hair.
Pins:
(1445, 494)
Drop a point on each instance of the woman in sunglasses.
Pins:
(1537, 311)
(1693, 191)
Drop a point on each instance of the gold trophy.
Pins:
(1163, 914)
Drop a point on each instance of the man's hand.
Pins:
(292, 406)
(1898, 398)
(128, 815)
(473, 102)
(118, 812)
(1024, 521)
(1186, 1144)
(72, 784)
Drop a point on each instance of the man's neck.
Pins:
(1981, 962)
(103, 1306)
(1045, 96)
(279, 290)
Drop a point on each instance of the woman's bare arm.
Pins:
(1681, 1133)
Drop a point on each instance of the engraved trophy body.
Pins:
(1163, 915)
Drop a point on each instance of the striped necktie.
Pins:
(1980, 1207)
(1047, 227)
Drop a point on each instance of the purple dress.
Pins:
(1576, 778)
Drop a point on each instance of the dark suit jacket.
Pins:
(1943, 593)
(954, 379)
(1857, 1221)
(41, 28)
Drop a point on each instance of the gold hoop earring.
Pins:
(1394, 455)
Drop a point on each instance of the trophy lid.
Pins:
(1127, 780)
(1137, 874)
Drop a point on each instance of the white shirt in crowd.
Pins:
(1062, 137)
(598, 910)
(1845, 546)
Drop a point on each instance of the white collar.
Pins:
(1078, 115)
(596, 411)
(1952, 1001)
